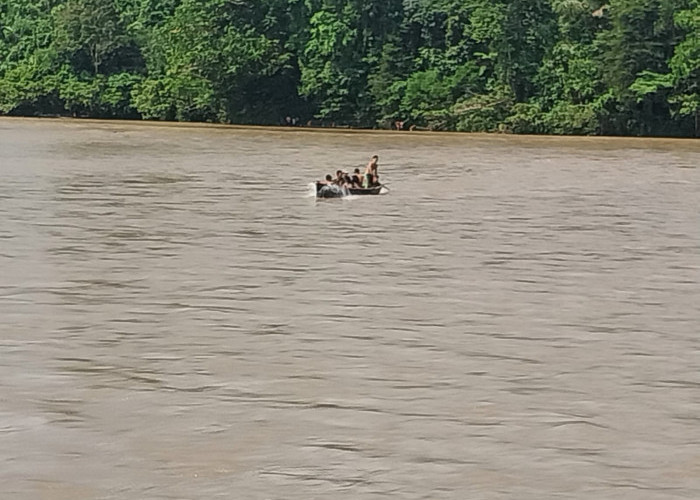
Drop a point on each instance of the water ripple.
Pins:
(517, 318)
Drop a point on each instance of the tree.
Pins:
(685, 66)
(640, 42)
(529, 30)
(537, 66)
(204, 60)
(333, 73)
(89, 32)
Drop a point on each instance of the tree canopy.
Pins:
(626, 67)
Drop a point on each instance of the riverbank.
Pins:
(601, 141)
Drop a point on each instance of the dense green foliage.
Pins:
(521, 66)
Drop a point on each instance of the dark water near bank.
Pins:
(519, 318)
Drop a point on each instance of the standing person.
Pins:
(371, 174)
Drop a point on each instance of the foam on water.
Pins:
(311, 190)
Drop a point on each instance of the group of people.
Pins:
(357, 180)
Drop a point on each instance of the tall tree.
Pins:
(529, 31)
(641, 39)
(89, 32)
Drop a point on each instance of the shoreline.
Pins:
(342, 130)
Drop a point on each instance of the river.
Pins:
(517, 318)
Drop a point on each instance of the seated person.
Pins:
(328, 180)
(329, 188)
(356, 179)
(339, 177)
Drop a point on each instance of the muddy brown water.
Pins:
(518, 318)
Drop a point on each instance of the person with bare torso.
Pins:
(371, 177)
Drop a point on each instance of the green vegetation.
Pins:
(629, 67)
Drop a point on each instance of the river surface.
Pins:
(518, 318)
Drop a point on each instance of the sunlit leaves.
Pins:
(537, 66)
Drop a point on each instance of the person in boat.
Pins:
(329, 188)
(342, 178)
(371, 174)
(326, 182)
(356, 179)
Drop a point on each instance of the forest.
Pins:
(584, 67)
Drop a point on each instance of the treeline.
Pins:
(629, 67)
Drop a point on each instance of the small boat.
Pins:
(335, 191)
(362, 191)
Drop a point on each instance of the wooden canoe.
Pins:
(334, 191)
